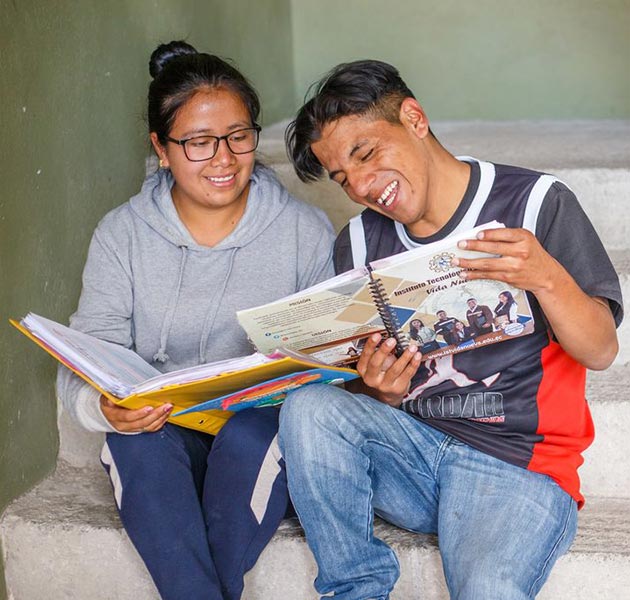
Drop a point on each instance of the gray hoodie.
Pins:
(147, 285)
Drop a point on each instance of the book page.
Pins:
(443, 313)
(434, 306)
(205, 371)
(324, 321)
(112, 367)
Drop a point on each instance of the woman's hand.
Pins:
(387, 377)
(141, 420)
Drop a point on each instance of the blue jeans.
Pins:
(500, 527)
(200, 509)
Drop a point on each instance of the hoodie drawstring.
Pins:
(161, 355)
(211, 315)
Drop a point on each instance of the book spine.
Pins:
(387, 314)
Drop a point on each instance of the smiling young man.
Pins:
(481, 447)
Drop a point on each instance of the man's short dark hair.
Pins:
(364, 87)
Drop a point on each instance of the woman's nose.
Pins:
(224, 155)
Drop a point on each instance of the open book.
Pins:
(416, 296)
(214, 388)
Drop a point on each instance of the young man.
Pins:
(445, 326)
(482, 447)
(479, 317)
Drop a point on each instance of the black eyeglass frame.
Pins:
(257, 128)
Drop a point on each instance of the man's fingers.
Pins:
(497, 241)
(406, 360)
(375, 364)
(371, 345)
(503, 234)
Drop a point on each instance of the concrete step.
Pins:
(603, 193)
(621, 262)
(537, 144)
(64, 541)
(606, 468)
(592, 157)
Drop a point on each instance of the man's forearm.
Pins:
(583, 326)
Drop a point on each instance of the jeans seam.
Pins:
(439, 456)
(410, 464)
(552, 552)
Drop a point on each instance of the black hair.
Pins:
(510, 298)
(364, 87)
(413, 330)
(179, 72)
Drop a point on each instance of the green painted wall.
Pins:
(489, 59)
(73, 80)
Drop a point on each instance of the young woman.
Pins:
(211, 232)
(419, 332)
(461, 333)
(505, 310)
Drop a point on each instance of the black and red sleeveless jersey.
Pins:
(522, 400)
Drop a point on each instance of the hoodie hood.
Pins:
(267, 198)
(154, 205)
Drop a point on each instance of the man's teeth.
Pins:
(387, 197)
(221, 179)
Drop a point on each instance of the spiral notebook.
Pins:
(416, 296)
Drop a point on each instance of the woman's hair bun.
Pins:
(164, 53)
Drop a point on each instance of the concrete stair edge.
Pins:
(604, 194)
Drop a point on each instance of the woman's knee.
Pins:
(150, 454)
(132, 449)
(247, 433)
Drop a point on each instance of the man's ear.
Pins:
(159, 150)
(414, 118)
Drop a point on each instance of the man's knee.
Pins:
(306, 409)
(311, 404)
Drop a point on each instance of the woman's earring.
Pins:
(161, 163)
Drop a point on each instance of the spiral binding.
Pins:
(387, 314)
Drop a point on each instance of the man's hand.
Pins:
(387, 377)
(584, 326)
(522, 261)
(140, 420)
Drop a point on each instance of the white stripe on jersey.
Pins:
(357, 241)
(486, 181)
(535, 200)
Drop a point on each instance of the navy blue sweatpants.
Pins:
(200, 509)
